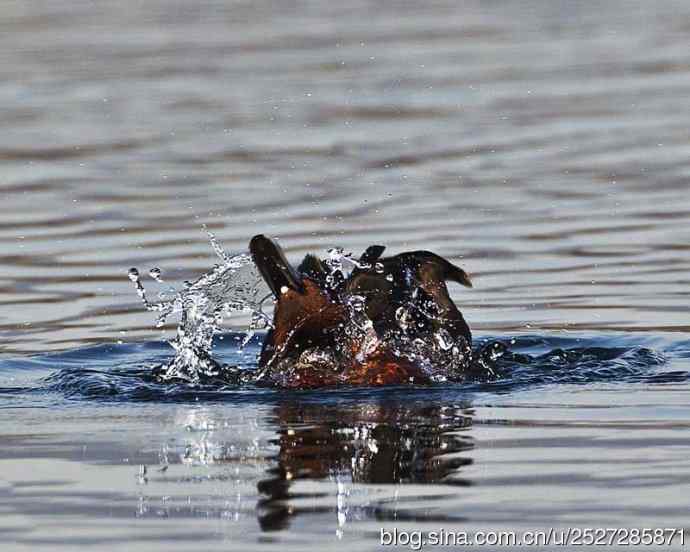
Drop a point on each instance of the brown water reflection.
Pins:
(377, 444)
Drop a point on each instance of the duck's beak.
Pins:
(278, 273)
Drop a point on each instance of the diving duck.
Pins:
(390, 320)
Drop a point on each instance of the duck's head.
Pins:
(366, 328)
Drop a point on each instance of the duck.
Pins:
(389, 321)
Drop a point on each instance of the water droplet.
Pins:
(230, 286)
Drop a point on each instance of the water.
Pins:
(544, 148)
(231, 286)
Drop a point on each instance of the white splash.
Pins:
(231, 286)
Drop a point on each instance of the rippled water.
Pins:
(542, 146)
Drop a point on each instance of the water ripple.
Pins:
(126, 373)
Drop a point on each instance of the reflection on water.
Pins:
(326, 468)
(352, 452)
(374, 444)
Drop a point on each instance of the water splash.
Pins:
(231, 286)
(234, 285)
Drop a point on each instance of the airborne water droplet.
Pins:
(231, 286)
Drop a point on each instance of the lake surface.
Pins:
(544, 147)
